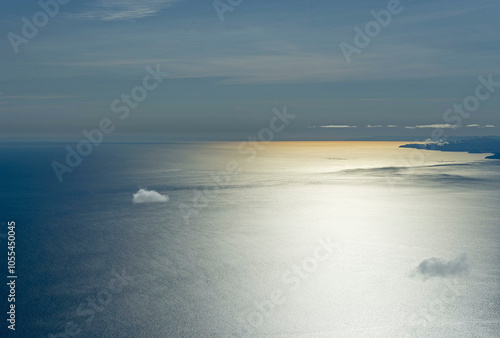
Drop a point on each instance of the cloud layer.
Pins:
(335, 126)
(423, 126)
(435, 267)
(149, 196)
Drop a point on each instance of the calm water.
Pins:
(329, 231)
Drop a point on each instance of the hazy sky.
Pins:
(225, 77)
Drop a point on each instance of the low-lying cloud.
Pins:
(336, 126)
(475, 125)
(149, 196)
(422, 126)
(433, 126)
(435, 267)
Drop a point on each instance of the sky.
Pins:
(229, 67)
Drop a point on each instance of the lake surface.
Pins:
(299, 239)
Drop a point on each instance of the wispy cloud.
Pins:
(334, 126)
(38, 97)
(255, 63)
(112, 10)
(475, 125)
(432, 126)
(447, 126)
(423, 126)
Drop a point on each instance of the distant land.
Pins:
(479, 145)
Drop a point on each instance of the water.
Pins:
(329, 231)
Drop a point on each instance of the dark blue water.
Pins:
(72, 236)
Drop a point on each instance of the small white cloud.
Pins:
(149, 196)
(473, 125)
(489, 126)
(375, 126)
(338, 126)
(392, 126)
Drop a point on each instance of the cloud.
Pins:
(149, 196)
(39, 97)
(113, 10)
(480, 126)
(422, 126)
(433, 126)
(447, 126)
(435, 267)
(337, 126)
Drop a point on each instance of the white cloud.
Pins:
(375, 126)
(149, 196)
(480, 126)
(447, 126)
(337, 126)
(38, 97)
(435, 267)
(392, 126)
(433, 126)
(112, 10)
